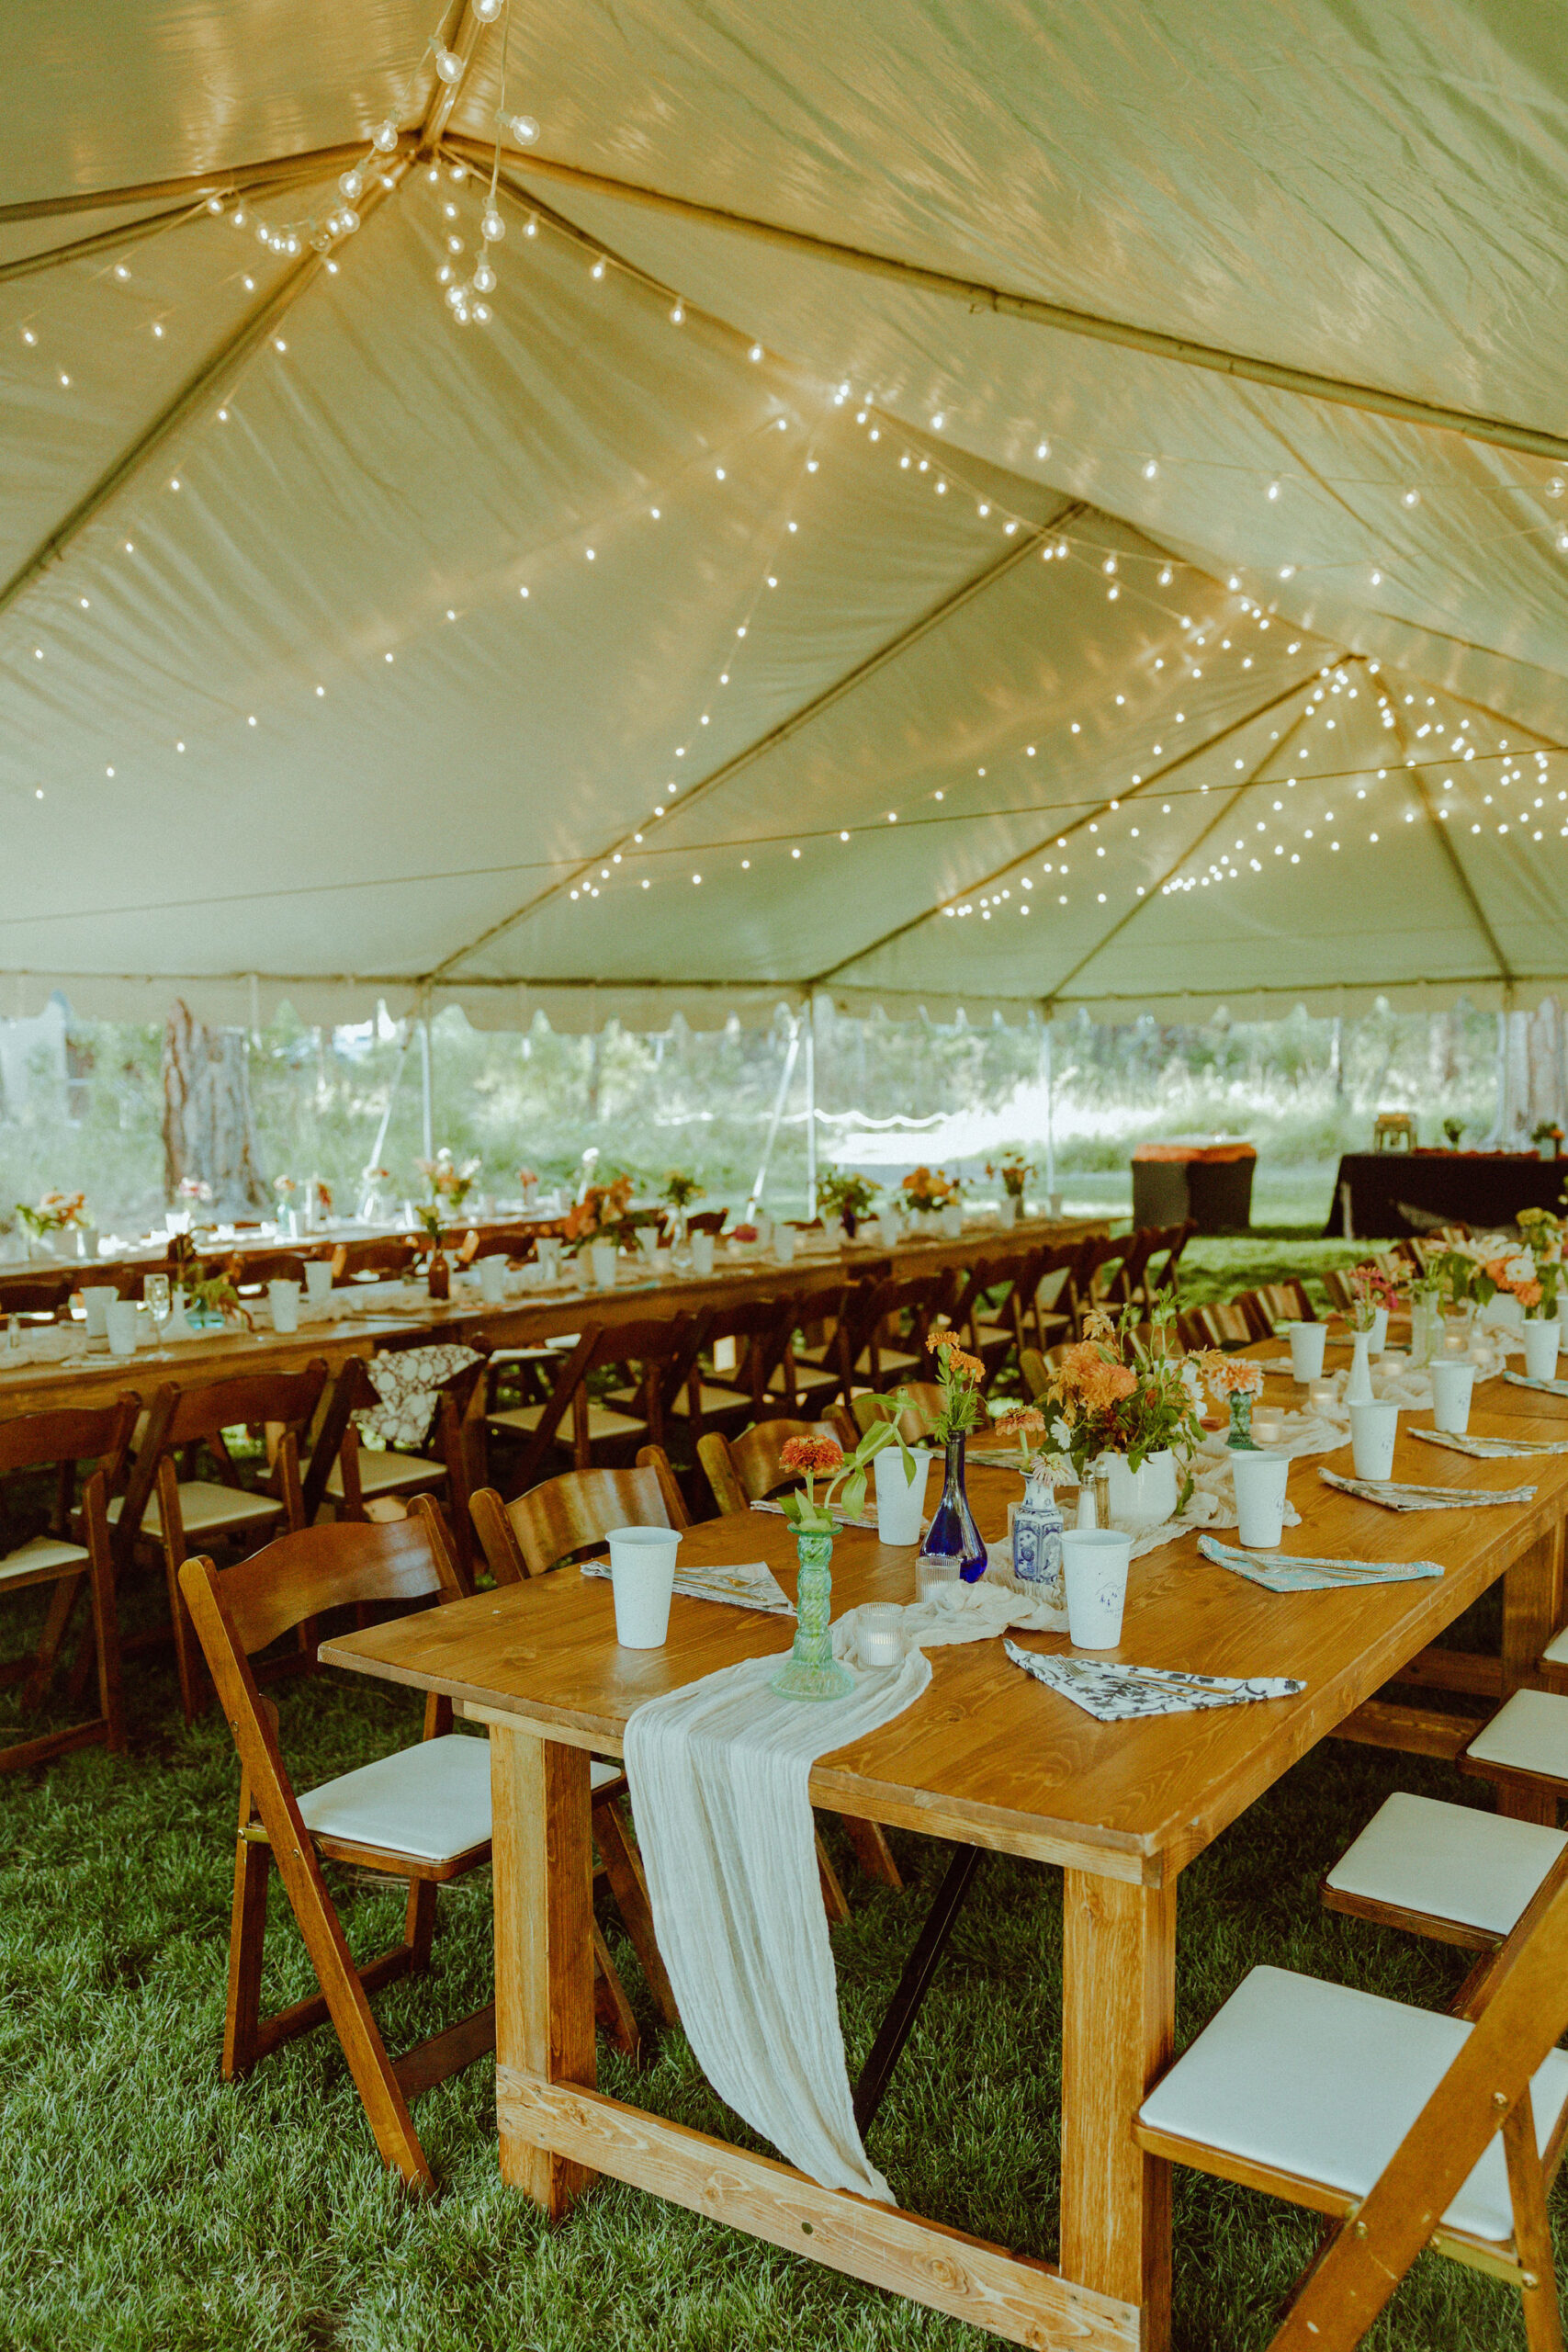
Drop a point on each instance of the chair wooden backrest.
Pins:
(1520, 2010)
(746, 1470)
(1276, 1303)
(1037, 1365)
(96, 1438)
(1126, 1286)
(574, 1512)
(766, 1326)
(1337, 1283)
(451, 1433)
(1081, 1290)
(1217, 1326)
(918, 1418)
(871, 1305)
(379, 1259)
(662, 1348)
(37, 1295)
(251, 1269)
(188, 1417)
(1017, 1276)
(707, 1221)
(1165, 1253)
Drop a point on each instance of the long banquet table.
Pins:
(534, 1315)
(989, 1759)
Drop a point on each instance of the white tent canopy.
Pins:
(1035, 507)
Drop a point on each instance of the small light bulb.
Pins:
(482, 312)
(487, 11)
(484, 277)
(454, 244)
(598, 268)
(349, 219)
(526, 128)
(1150, 471)
(1411, 498)
(1043, 449)
(493, 226)
(352, 186)
(120, 270)
(532, 228)
(448, 65)
(755, 352)
(677, 313)
(215, 204)
(384, 138)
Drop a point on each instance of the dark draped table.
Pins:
(1484, 1188)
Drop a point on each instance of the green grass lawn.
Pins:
(147, 2206)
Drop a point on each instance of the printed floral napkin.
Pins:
(1113, 1693)
(1288, 1571)
(1395, 1495)
(748, 1584)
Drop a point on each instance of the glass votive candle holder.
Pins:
(1268, 1429)
(1321, 1394)
(880, 1639)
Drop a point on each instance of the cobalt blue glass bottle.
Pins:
(953, 1534)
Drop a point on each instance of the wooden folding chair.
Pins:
(746, 1470)
(391, 1259)
(169, 1510)
(1386, 2119)
(909, 1305)
(662, 1348)
(739, 1347)
(1284, 1302)
(1220, 1326)
(75, 1549)
(251, 1269)
(1160, 1273)
(422, 1814)
(994, 1328)
(916, 1421)
(42, 1298)
(353, 1477)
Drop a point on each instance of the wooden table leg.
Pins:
(1532, 1602)
(1118, 2031)
(544, 1939)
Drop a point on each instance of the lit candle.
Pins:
(1322, 1394)
(881, 1642)
(1268, 1428)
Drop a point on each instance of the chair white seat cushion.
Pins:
(1448, 1861)
(1324, 2082)
(714, 1400)
(431, 1802)
(1529, 1735)
(207, 1504)
(1556, 1650)
(603, 1421)
(41, 1556)
(388, 1473)
(810, 1379)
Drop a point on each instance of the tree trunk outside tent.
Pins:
(208, 1133)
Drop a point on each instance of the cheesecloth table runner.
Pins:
(718, 1774)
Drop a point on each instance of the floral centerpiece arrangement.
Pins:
(450, 1183)
(926, 1190)
(1235, 1381)
(681, 1189)
(1532, 1273)
(1115, 1394)
(54, 1212)
(848, 1198)
(1548, 1139)
(1454, 1130)
(599, 1216)
(811, 1672)
(210, 1288)
(953, 1537)
(1371, 1288)
(1015, 1172)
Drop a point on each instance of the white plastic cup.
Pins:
(642, 1573)
(602, 1255)
(177, 1221)
(1095, 1560)
(764, 1225)
(98, 1298)
(282, 1301)
(900, 1499)
(1307, 1344)
(1453, 1384)
(491, 1272)
(702, 1253)
(318, 1281)
(1540, 1347)
(648, 1242)
(1374, 1428)
(1259, 1499)
(547, 1248)
(784, 1239)
(120, 1326)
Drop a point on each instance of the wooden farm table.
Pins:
(989, 1759)
(99, 1378)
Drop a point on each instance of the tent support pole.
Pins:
(105, 240)
(780, 1099)
(380, 1143)
(1497, 432)
(811, 1109)
(427, 1124)
(319, 162)
(1047, 1074)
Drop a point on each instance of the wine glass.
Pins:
(158, 1302)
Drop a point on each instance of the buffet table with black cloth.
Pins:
(1206, 1180)
(1484, 1188)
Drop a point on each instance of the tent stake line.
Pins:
(1497, 432)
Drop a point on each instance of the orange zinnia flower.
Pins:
(811, 1454)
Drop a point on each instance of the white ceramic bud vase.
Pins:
(1358, 1387)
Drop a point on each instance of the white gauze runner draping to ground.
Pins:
(720, 1774)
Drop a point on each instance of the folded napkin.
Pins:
(1113, 1692)
(1394, 1495)
(1523, 1379)
(1285, 1572)
(955, 1612)
(749, 1585)
(1492, 1449)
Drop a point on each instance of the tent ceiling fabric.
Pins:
(1237, 612)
